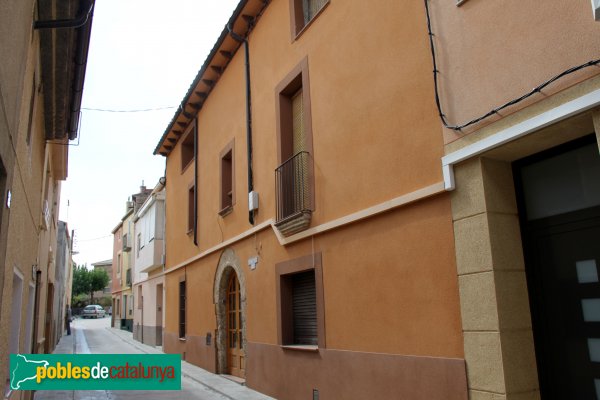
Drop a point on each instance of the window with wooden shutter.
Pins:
(294, 176)
(187, 149)
(304, 305)
(303, 12)
(311, 8)
(227, 169)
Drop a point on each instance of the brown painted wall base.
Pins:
(193, 350)
(152, 335)
(336, 374)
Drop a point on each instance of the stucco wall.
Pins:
(491, 52)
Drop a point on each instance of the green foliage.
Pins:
(88, 281)
(81, 280)
(80, 300)
(105, 301)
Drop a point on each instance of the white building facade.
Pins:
(148, 265)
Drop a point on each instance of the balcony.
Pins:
(294, 194)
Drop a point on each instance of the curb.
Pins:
(183, 373)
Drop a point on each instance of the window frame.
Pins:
(190, 135)
(297, 24)
(285, 320)
(229, 149)
(296, 79)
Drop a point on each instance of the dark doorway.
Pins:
(559, 206)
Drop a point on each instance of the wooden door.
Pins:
(235, 352)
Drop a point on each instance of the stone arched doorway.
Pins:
(228, 272)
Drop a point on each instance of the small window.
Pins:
(191, 209)
(299, 303)
(304, 11)
(227, 184)
(118, 264)
(182, 309)
(187, 149)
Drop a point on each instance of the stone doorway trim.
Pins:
(228, 263)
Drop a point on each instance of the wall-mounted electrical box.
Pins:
(253, 200)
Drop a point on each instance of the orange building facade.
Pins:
(310, 247)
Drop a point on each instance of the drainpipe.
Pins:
(36, 310)
(195, 181)
(85, 10)
(239, 38)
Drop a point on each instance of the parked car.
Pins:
(93, 311)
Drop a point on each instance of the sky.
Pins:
(144, 54)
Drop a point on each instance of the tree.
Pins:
(87, 282)
(98, 281)
(81, 280)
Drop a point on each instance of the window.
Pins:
(294, 133)
(128, 277)
(187, 148)
(182, 309)
(300, 302)
(118, 264)
(139, 244)
(304, 307)
(227, 182)
(130, 308)
(191, 209)
(304, 11)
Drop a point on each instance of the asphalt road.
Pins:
(91, 336)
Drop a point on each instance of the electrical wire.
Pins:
(93, 239)
(535, 90)
(128, 111)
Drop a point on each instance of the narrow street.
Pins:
(96, 337)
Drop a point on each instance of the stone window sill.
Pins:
(300, 347)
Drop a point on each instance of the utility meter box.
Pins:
(253, 200)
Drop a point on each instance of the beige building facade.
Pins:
(525, 190)
(148, 266)
(123, 301)
(40, 96)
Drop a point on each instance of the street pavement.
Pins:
(97, 337)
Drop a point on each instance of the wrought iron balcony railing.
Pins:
(294, 189)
